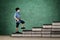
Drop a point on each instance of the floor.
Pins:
(25, 38)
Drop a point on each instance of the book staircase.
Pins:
(47, 30)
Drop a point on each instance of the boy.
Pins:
(18, 20)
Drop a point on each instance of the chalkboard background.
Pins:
(34, 12)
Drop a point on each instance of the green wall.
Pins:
(34, 12)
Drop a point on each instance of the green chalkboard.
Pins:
(34, 12)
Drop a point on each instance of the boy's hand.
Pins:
(17, 19)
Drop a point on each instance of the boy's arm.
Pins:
(16, 18)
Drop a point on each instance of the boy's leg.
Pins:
(22, 23)
(17, 25)
(16, 29)
(22, 27)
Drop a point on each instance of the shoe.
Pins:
(17, 32)
(23, 28)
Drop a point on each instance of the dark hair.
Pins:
(17, 9)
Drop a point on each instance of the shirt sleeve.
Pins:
(15, 15)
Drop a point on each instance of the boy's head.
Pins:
(17, 9)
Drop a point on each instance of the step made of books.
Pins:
(36, 28)
(47, 26)
(49, 35)
(56, 23)
(55, 26)
(15, 35)
(46, 30)
(55, 29)
(55, 36)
